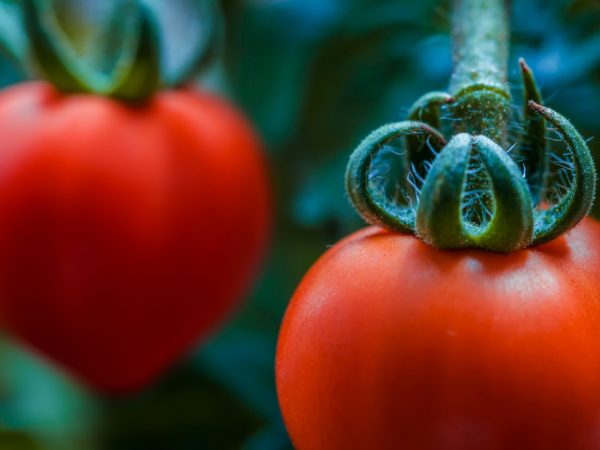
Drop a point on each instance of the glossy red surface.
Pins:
(126, 233)
(390, 344)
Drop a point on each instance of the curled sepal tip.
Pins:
(427, 110)
(577, 202)
(440, 220)
(370, 202)
(138, 78)
(136, 72)
(532, 148)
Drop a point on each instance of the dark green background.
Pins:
(314, 76)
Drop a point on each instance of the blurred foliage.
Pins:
(314, 76)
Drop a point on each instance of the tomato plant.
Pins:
(132, 221)
(466, 318)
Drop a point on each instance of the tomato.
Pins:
(127, 232)
(389, 343)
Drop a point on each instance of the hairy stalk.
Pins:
(479, 81)
(480, 52)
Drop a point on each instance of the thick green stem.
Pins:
(479, 82)
(480, 35)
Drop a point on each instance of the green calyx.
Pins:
(480, 188)
(576, 203)
(371, 203)
(440, 218)
(137, 70)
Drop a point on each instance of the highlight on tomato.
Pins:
(468, 315)
(135, 208)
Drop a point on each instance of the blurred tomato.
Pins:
(391, 344)
(126, 232)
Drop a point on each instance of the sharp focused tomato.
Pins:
(390, 344)
(126, 232)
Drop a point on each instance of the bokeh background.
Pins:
(314, 76)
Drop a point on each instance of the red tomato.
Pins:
(389, 344)
(126, 233)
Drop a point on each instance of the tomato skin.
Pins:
(127, 232)
(391, 344)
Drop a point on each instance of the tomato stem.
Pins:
(480, 34)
